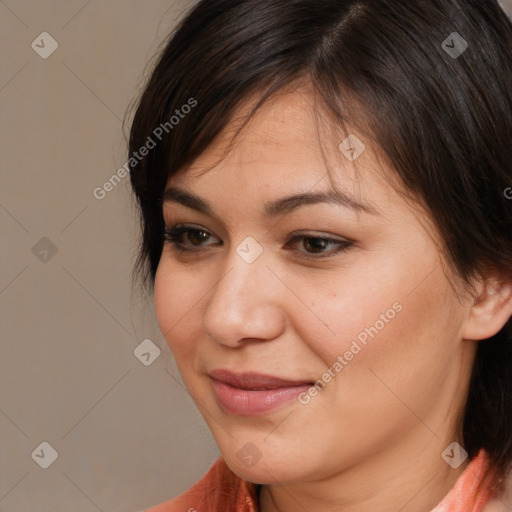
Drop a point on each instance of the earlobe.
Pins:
(490, 311)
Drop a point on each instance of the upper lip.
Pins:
(252, 380)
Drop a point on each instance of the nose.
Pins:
(245, 304)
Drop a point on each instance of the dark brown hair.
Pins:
(443, 120)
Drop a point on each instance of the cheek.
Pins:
(176, 301)
(163, 299)
(393, 314)
(408, 356)
(349, 307)
(380, 371)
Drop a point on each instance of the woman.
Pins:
(329, 244)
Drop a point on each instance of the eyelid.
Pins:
(317, 234)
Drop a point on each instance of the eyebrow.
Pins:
(277, 207)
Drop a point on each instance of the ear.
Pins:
(490, 308)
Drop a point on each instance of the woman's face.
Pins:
(374, 323)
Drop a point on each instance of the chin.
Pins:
(268, 470)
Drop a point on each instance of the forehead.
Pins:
(287, 140)
(283, 128)
(286, 149)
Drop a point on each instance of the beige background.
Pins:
(127, 435)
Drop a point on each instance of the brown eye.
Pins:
(196, 235)
(317, 245)
(179, 234)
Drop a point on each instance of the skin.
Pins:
(372, 438)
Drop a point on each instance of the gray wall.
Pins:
(126, 435)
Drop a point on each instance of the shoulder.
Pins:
(218, 489)
(502, 501)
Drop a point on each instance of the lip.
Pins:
(252, 380)
(245, 394)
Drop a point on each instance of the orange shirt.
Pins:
(220, 490)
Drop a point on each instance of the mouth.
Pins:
(253, 381)
(250, 394)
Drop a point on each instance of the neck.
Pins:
(407, 480)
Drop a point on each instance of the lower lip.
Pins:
(252, 403)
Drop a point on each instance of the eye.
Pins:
(314, 244)
(174, 235)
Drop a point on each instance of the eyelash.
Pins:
(173, 234)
